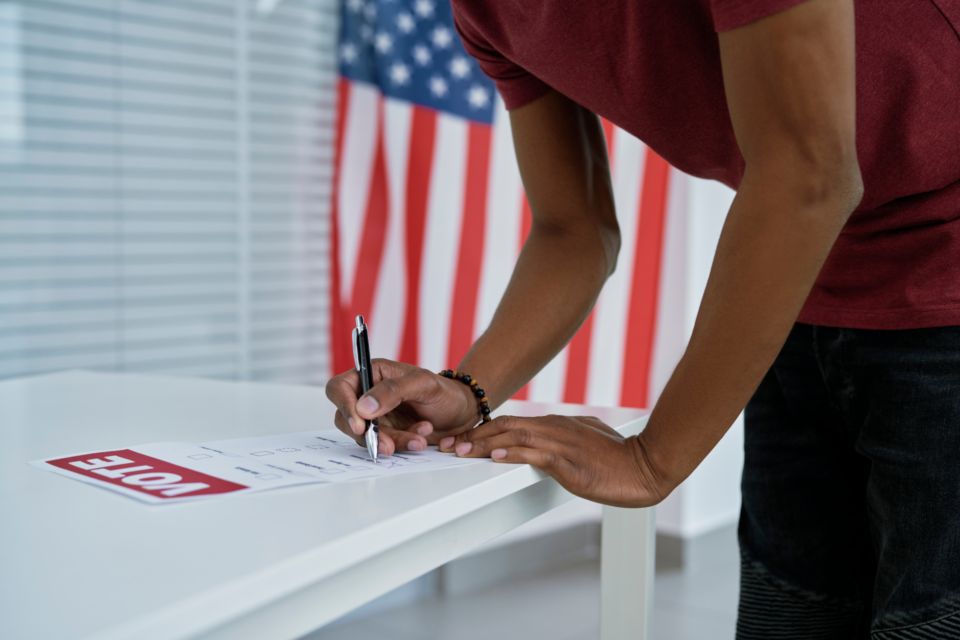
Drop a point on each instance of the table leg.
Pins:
(628, 544)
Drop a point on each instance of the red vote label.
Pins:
(132, 470)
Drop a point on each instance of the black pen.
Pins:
(361, 357)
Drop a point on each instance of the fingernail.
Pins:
(352, 425)
(425, 430)
(446, 443)
(498, 454)
(367, 405)
(415, 445)
(464, 448)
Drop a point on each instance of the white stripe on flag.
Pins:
(442, 241)
(504, 211)
(549, 384)
(670, 338)
(356, 169)
(608, 342)
(389, 302)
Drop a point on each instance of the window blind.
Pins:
(165, 171)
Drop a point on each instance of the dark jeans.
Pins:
(850, 526)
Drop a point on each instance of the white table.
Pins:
(81, 562)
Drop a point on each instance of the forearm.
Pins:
(773, 245)
(554, 286)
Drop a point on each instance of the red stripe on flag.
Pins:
(578, 354)
(523, 394)
(646, 282)
(340, 350)
(467, 284)
(608, 134)
(374, 235)
(423, 130)
(526, 220)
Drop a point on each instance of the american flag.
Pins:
(429, 215)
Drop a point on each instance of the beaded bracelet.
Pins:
(475, 387)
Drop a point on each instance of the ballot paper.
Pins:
(168, 472)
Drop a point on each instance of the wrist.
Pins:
(654, 472)
(475, 403)
(471, 411)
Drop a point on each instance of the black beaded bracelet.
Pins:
(475, 387)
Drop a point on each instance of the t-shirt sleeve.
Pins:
(730, 14)
(516, 85)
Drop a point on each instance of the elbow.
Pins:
(611, 246)
(827, 175)
(824, 188)
(833, 188)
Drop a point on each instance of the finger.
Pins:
(341, 423)
(548, 461)
(387, 445)
(393, 440)
(406, 440)
(439, 436)
(342, 391)
(503, 424)
(416, 385)
(493, 427)
(522, 437)
(423, 428)
(386, 435)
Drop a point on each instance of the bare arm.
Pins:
(790, 88)
(570, 252)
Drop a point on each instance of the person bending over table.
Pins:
(832, 307)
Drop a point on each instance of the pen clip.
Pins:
(356, 352)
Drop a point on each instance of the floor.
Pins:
(560, 605)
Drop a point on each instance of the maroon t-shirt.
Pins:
(652, 67)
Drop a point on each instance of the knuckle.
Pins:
(523, 437)
(391, 386)
(332, 387)
(429, 381)
(550, 460)
(422, 374)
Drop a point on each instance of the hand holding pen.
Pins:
(361, 357)
(415, 407)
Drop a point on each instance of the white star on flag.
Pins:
(405, 22)
(442, 38)
(356, 6)
(459, 67)
(348, 52)
(477, 97)
(366, 33)
(370, 12)
(399, 73)
(438, 86)
(384, 42)
(423, 8)
(421, 55)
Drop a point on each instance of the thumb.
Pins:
(386, 395)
